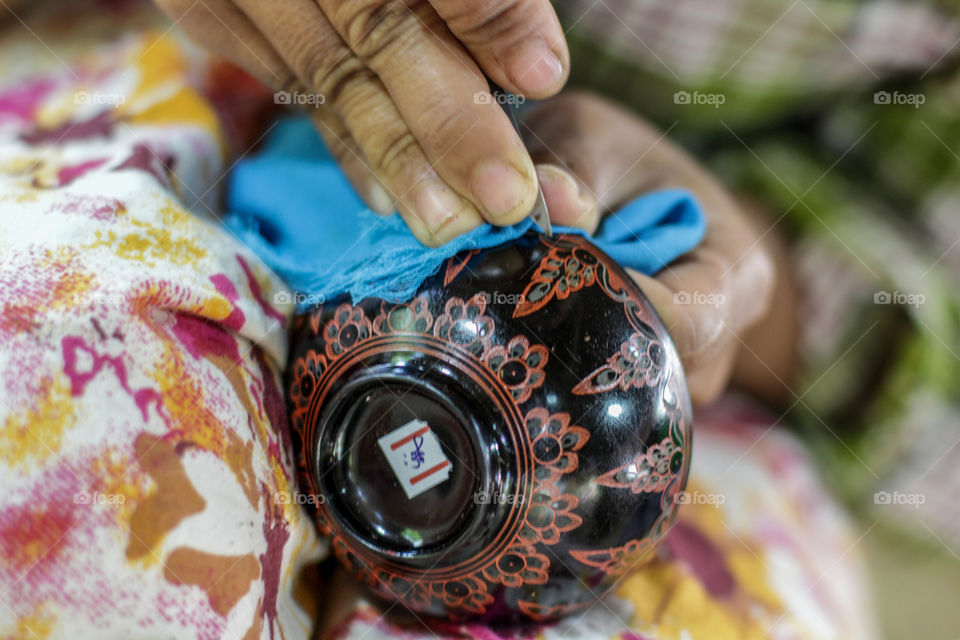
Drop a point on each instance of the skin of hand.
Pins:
(593, 156)
(770, 359)
(405, 104)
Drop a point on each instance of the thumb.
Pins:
(584, 148)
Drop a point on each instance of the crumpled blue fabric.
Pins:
(291, 204)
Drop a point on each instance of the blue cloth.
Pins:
(291, 204)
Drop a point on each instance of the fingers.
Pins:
(437, 89)
(584, 147)
(708, 297)
(432, 210)
(720, 289)
(707, 347)
(222, 27)
(518, 43)
(348, 154)
(322, 61)
(599, 143)
(708, 301)
(406, 92)
(444, 151)
(569, 202)
(711, 296)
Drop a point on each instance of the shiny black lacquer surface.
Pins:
(558, 402)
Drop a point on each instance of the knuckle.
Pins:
(328, 70)
(378, 26)
(444, 125)
(309, 58)
(759, 274)
(334, 80)
(501, 26)
(394, 152)
(490, 21)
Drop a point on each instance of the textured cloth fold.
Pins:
(291, 204)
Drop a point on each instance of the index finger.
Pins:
(443, 97)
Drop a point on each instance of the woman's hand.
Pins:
(593, 156)
(405, 104)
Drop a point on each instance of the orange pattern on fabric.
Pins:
(253, 633)
(240, 460)
(225, 579)
(151, 246)
(161, 61)
(670, 603)
(36, 626)
(185, 401)
(239, 457)
(35, 434)
(173, 500)
(116, 477)
(55, 280)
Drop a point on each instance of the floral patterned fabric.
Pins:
(144, 453)
(759, 551)
(144, 458)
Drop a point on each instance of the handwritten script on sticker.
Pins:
(416, 457)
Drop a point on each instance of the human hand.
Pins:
(406, 107)
(593, 156)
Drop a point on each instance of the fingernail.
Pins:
(555, 175)
(583, 212)
(436, 204)
(536, 68)
(499, 188)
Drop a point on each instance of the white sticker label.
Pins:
(415, 455)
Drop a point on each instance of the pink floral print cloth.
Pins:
(143, 450)
(144, 457)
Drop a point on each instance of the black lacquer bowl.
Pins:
(506, 444)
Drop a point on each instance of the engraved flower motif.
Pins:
(465, 324)
(644, 358)
(306, 373)
(413, 316)
(650, 472)
(618, 560)
(468, 593)
(638, 363)
(564, 270)
(518, 565)
(555, 443)
(519, 366)
(550, 514)
(579, 269)
(348, 327)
